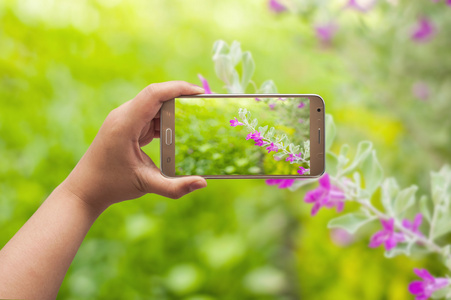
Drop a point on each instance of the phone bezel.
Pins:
(317, 133)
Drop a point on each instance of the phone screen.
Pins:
(242, 136)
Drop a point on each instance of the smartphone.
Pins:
(243, 136)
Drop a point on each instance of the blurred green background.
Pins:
(65, 64)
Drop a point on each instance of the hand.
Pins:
(114, 168)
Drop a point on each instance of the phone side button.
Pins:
(168, 136)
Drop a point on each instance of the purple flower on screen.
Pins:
(272, 147)
(325, 195)
(414, 225)
(420, 90)
(424, 30)
(272, 105)
(234, 122)
(423, 289)
(301, 105)
(291, 158)
(299, 155)
(276, 6)
(302, 170)
(260, 142)
(205, 84)
(326, 32)
(386, 236)
(258, 99)
(281, 183)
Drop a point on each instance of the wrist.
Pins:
(66, 191)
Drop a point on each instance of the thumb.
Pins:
(177, 187)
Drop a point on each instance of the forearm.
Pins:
(34, 262)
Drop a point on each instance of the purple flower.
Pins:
(424, 30)
(299, 155)
(448, 2)
(260, 142)
(254, 135)
(420, 90)
(276, 6)
(291, 158)
(326, 32)
(425, 288)
(301, 121)
(258, 99)
(301, 105)
(205, 84)
(302, 170)
(386, 236)
(326, 195)
(414, 225)
(272, 105)
(234, 122)
(282, 183)
(272, 147)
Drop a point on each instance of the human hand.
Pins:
(114, 168)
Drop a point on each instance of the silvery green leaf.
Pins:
(447, 260)
(363, 150)
(350, 222)
(331, 163)
(254, 123)
(443, 293)
(403, 248)
(424, 208)
(268, 87)
(224, 68)
(306, 149)
(283, 138)
(331, 131)
(389, 190)
(235, 52)
(296, 149)
(248, 68)
(235, 87)
(357, 179)
(442, 226)
(290, 147)
(405, 199)
(220, 47)
(270, 133)
(242, 113)
(441, 186)
(342, 157)
(262, 130)
(372, 173)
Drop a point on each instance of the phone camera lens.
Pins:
(318, 109)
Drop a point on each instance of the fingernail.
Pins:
(196, 185)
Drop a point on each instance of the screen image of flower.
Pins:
(253, 136)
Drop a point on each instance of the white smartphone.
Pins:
(243, 136)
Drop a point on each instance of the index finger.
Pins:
(148, 102)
